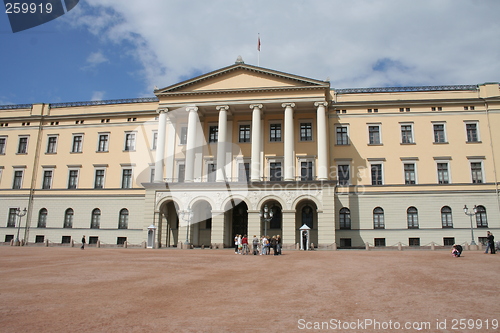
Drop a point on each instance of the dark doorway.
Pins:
(240, 219)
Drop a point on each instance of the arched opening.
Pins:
(168, 226)
(239, 223)
(273, 226)
(306, 212)
(201, 224)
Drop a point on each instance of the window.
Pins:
(123, 219)
(275, 171)
(342, 136)
(376, 174)
(414, 241)
(129, 142)
(243, 172)
(23, 145)
(343, 175)
(42, 218)
(406, 133)
(183, 137)
(182, 173)
(213, 134)
(39, 238)
(121, 240)
(47, 179)
(244, 133)
(409, 171)
(443, 175)
(345, 243)
(481, 218)
(93, 240)
(477, 172)
(446, 220)
(275, 133)
(95, 221)
(448, 241)
(211, 172)
(439, 133)
(66, 239)
(412, 217)
(306, 170)
(306, 132)
(52, 145)
(152, 174)
(127, 178)
(472, 132)
(18, 180)
(11, 222)
(3, 145)
(379, 241)
(77, 144)
(378, 218)
(68, 218)
(155, 140)
(103, 145)
(345, 218)
(73, 179)
(374, 134)
(99, 179)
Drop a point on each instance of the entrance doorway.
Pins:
(240, 219)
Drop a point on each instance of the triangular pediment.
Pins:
(241, 77)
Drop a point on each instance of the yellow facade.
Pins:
(398, 164)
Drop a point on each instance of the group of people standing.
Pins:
(261, 246)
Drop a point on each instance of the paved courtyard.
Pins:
(62, 289)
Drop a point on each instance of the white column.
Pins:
(289, 142)
(322, 167)
(170, 143)
(222, 143)
(160, 147)
(256, 142)
(191, 142)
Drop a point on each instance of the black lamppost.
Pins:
(20, 214)
(466, 211)
(266, 215)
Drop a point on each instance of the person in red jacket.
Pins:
(244, 242)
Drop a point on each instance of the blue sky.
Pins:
(114, 49)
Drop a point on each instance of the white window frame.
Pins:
(448, 169)
(275, 122)
(349, 165)
(133, 147)
(123, 168)
(180, 162)
(478, 132)
(301, 159)
(445, 132)
(208, 137)
(49, 136)
(22, 169)
(412, 133)
(154, 139)
(273, 160)
(241, 123)
(373, 162)
(47, 168)
(19, 144)
(348, 135)
(181, 126)
(410, 161)
(106, 148)
(73, 168)
(4, 150)
(477, 159)
(379, 125)
(307, 121)
(100, 168)
(73, 143)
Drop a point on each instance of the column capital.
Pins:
(253, 106)
(222, 107)
(191, 108)
(285, 105)
(162, 110)
(325, 104)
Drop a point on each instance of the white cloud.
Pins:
(98, 95)
(425, 42)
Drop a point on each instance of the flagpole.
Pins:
(258, 50)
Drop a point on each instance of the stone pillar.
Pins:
(256, 142)
(254, 223)
(289, 142)
(160, 148)
(288, 227)
(322, 139)
(222, 143)
(190, 144)
(217, 233)
(169, 159)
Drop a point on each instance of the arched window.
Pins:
(446, 219)
(307, 216)
(412, 217)
(42, 218)
(68, 218)
(96, 219)
(345, 218)
(123, 221)
(481, 218)
(378, 218)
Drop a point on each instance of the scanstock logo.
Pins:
(28, 14)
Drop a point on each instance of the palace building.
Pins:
(203, 159)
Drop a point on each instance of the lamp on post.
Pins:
(20, 214)
(186, 215)
(266, 215)
(466, 211)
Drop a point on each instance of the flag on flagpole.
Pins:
(258, 44)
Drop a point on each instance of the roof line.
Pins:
(407, 89)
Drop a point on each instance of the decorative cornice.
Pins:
(406, 89)
(105, 102)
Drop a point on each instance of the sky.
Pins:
(118, 49)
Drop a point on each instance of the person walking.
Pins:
(278, 244)
(491, 242)
(255, 245)
(83, 242)
(236, 244)
(244, 242)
